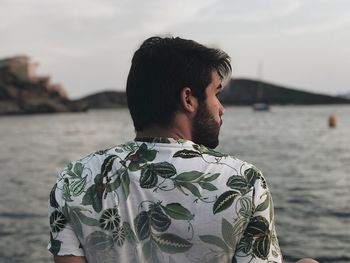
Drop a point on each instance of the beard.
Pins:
(205, 129)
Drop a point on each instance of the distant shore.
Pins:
(23, 92)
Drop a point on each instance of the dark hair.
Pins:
(161, 68)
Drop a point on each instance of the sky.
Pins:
(87, 45)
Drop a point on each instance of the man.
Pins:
(166, 196)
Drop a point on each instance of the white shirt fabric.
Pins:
(162, 200)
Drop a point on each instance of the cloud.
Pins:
(70, 38)
(250, 11)
(320, 17)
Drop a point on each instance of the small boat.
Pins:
(261, 106)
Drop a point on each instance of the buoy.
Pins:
(332, 121)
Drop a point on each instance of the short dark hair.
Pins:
(161, 68)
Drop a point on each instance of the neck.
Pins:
(179, 129)
(161, 132)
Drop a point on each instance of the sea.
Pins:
(306, 164)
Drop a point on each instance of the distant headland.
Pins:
(23, 92)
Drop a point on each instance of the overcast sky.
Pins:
(87, 45)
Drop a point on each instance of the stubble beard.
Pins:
(205, 129)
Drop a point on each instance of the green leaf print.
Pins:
(98, 179)
(215, 153)
(65, 210)
(208, 186)
(245, 244)
(98, 241)
(188, 176)
(57, 221)
(134, 166)
(258, 226)
(125, 180)
(107, 165)
(224, 201)
(127, 147)
(142, 225)
(93, 196)
(228, 233)
(204, 150)
(159, 221)
(164, 169)
(261, 247)
(171, 243)
(53, 201)
(211, 177)
(78, 186)
(187, 154)
(148, 178)
(74, 220)
(192, 188)
(119, 236)
(251, 175)
(55, 245)
(110, 219)
(177, 211)
(75, 170)
(66, 191)
(264, 205)
(78, 169)
(87, 220)
(246, 207)
(237, 182)
(145, 154)
(239, 226)
(115, 184)
(214, 240)
(101, 152)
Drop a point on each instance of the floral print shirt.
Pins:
(162, 200)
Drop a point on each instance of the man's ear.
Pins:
(188, 102)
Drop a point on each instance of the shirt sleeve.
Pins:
(63, 240)
(259, 241)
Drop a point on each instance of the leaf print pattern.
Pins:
(170, 187)
(119, 236)
(110, 219)
(171, 243)
(57, 221)
(224, 201)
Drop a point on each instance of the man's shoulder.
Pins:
(88, 164)
(220, 157)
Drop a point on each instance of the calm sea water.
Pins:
(307, 166)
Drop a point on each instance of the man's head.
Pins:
(161, 69)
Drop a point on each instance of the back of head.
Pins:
(160, 69)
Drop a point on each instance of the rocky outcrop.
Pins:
(345, 95)
(23, 93)
(248, 92)
(105, 100)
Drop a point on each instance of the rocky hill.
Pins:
(247, 92)
(345, 95)
(23, 93)
(238, 92)
(105, 100)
